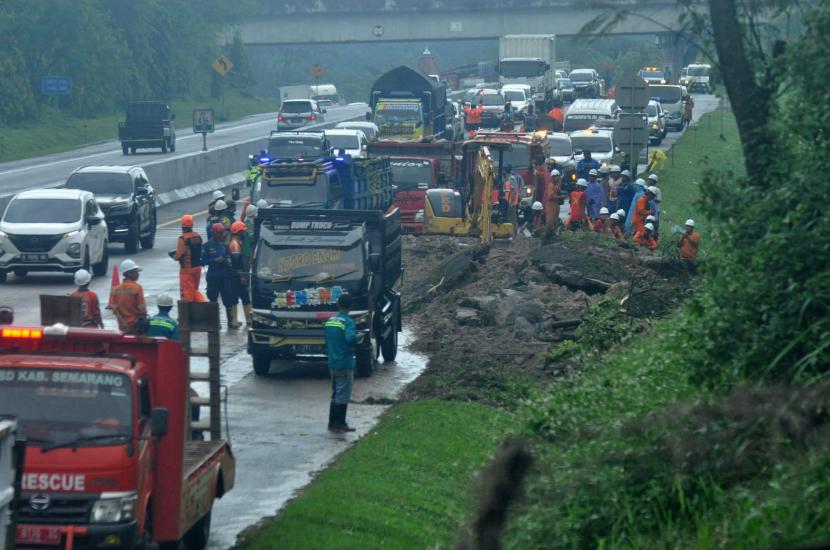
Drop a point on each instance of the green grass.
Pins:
(407, 484)
(56, 131)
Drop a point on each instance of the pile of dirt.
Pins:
(484, 313)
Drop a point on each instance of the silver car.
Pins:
(297, 113)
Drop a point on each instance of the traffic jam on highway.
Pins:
(146, 426)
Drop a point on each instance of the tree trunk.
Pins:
(750, 100)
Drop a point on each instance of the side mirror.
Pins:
(158, 421)
(235, 193)
(93, 220)
(374, 261)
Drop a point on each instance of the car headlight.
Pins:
(266, 320)
(74, 250)
(654, 125)
(114, 507)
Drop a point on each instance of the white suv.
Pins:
(53, 230)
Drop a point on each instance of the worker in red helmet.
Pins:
(240, 270)
(217, 258)
(189, 255)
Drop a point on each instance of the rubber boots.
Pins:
(247, 309)
(340, 419)
(332, 417)
(233, 322)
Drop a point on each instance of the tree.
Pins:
(241, 76)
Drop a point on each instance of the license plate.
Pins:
(36, 534)
(35, 257)
(308, 349)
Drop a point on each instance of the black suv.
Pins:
(148, 124)
(126, 198)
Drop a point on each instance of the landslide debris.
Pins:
(486, 315)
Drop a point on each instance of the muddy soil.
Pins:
(484, 314)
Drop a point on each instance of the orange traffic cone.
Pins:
(116, 280)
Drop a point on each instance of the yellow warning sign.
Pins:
(222, 65)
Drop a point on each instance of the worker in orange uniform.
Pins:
(616, 227)
(240, 270)
(550, 199)
(189, 255)
(473, 121)
(558, 116)
(641, 211)
(646, 237)
(578, 218)
(689, 242)
(90, 307)
(603, 223)
(128, 301)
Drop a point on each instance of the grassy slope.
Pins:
(56, 131)
(405, 485)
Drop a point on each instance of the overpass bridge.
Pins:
(286, 23)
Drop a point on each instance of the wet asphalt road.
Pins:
(53, 169)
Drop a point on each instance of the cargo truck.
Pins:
(530, 59)
(417, 167)
(304, 261)
(109, 461)
(334, 182)
(408, 106)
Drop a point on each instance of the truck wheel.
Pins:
(131, 244)
(197, 537)
(100, 269)
(364, 361)
(125, 149)
(149, 241)
(262, 364)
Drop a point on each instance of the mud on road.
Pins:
(486, 314)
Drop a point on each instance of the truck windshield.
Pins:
(515, 95)
(698, 71)
(665, 94)
(595, 144)
(343, 141)
(309, 264)
(101, 183)
(651, 110)
(526, 68)
(560, 147)
(518, 156)
(408, 173)
(43, 211)
(581, 77)
(564, 82)
(294, 147)
(57, 406)
(492, 99)
(397, 114)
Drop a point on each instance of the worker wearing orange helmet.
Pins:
(240, 270)
(189, 255)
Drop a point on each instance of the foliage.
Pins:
(401, 486)
(113, 51)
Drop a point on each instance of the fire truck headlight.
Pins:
(114, 507)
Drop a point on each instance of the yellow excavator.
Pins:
(469, 212)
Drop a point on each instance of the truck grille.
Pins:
(35, 243)
(61, 509)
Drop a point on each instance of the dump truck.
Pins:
(110, 460)
(417, 167)
(335, 182)
(304, 260)
(409, 106)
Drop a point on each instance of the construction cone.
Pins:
(115, 282)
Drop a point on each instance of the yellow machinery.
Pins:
(446, 212)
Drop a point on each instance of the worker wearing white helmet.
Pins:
(128, 300)
(578, 217)
(645, 237)
(90, 307)
(537, 210)
(689, 242)
(581, 183)
(220, 213)
(621, 213)
(220, 205)
(603, 223)
(262, 203)
(555, 173)
(550, 199)
(162, 325)
(616, 225)
(639, 208)
(653, 178)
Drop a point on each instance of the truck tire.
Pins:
(198, 535)
(364, 361)
(125, 149)
(149, 240)
(262, 364)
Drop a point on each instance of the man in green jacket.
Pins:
(341, 337)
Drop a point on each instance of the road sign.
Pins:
(632, 93)
(222, 64)
(316, 70)
(56, 85)
(203, 121)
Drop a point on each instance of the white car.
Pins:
(351, 142)
(519, 95)
(369, 128)
(59, 230)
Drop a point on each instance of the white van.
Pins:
(582, 113)
(671, 99)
